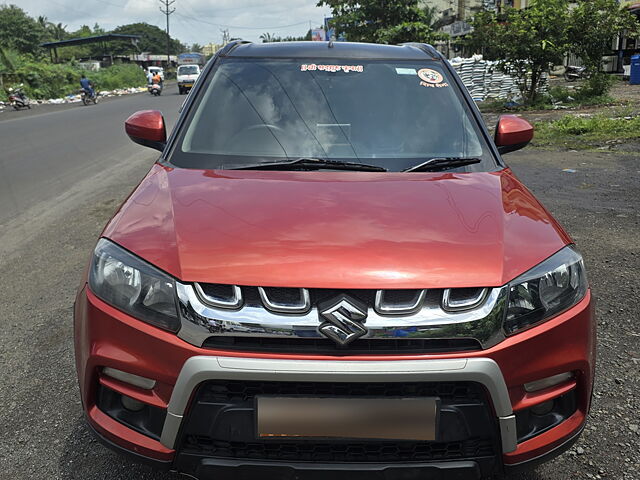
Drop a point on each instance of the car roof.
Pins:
(414, 51)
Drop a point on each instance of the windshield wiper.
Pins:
(305, 163)
(442, 163)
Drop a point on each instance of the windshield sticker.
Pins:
(406, 71)
(431, 78)
(311, 67)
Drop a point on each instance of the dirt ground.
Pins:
(599, 207)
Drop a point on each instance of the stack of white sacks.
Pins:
(485, 81)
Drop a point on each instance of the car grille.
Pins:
(293, 296)
(235, 390)
(467, 427)
(306, 451)
(304, 321)
(322, 346)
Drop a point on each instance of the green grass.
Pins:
(574, 98)
(582, 132)
(44, 80)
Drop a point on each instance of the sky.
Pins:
(194, 21)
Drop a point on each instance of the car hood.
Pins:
(336, 229)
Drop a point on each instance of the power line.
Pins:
(167, 10)
(241, 28)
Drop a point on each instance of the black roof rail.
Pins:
(229, 47)
(425, 47)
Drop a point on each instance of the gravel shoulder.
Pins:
(42, 432)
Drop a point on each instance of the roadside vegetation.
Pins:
(529, 43)
(586, 131)
(556, 98)
(44, 80)
(392, 21)
(24, 61)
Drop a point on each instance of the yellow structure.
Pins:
(210, 48)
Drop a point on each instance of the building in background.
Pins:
(210, 48)
(453, 17)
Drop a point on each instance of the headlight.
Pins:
(133, 286)
(549, 288)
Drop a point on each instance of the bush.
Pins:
(43, 80)
(561, 94)
(591, 128)
(118, 76)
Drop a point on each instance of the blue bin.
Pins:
(634, 76)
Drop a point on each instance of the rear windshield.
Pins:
(188, 70)
(393, 114)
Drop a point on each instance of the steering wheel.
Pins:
(247, 130)
(262, 125)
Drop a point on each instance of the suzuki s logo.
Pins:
(343, 319)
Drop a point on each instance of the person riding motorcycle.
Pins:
(86, 85)
(157, 79)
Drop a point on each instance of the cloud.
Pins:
(194, 21)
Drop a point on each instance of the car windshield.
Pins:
(188, 70)
(393, 114)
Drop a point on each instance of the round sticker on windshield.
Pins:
(430, 76)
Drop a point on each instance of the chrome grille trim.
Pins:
(234, 303)
(385, 308)
(456, 305)
(201, 321)
(303, 306)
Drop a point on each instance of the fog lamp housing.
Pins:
(139, 416)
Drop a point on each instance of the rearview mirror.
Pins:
(146, 127)
(512, 133)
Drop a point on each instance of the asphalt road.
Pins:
(74, 167)
(51, 148)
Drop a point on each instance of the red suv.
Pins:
(330, 268)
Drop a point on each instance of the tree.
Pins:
(527, 43)
(267, 37)
(593, 25)
(270, 37)
(196, 48)
(154, 40)
(18, 31)
(393, 21)
(58, 31)
(7, 66)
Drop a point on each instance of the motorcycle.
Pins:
(573, 73)
(87, 97)
(18, 99)
(155, 89)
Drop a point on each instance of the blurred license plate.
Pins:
(372, 418)
(188, 85)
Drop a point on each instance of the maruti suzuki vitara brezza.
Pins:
(330, 272)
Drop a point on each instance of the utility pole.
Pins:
(167, 10)
(225, 36)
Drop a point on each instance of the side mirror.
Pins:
(512, 133)
(146, 127)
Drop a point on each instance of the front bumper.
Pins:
(106, 337)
